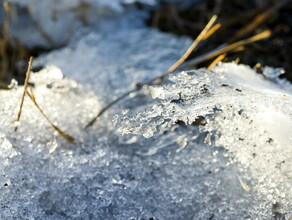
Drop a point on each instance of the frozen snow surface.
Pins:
(217, 146)
(238, 109)
(244, 174)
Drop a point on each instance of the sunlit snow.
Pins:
(206, 144)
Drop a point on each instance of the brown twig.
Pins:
(24, 89)
(62, 133)
(159, 79)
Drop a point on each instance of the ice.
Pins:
(104, 175)
(248, 115)
(200, 92)
(218, 142)
(172, 175)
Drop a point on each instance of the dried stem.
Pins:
(217, 60)
(225, 48)
(193, 46)
(24, 89)
(63, 134)
(212, 31)
(259, 19)
(159, 79)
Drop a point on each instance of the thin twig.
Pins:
(159, 79)
(62, 133)
(24, 89)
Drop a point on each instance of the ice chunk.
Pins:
(200, 92)
(248, 115)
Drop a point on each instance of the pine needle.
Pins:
(159, 79)
(62, 133)
(24, 89)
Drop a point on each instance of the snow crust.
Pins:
(105, 175)
(218, 142)
(172, 175)
(248, 115)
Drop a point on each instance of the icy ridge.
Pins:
(104, 175)
(238, 109)
(200, 92)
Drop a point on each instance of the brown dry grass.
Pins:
(239, 19)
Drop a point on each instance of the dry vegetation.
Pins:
(239, 19)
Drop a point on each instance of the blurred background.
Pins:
(31, 27)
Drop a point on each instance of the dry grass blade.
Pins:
(24, 89)
(212, 31)
(222, 56)
(217, 60)
(227, 48)
(63, 134)
(193, 45)
(259, 19)
(157, 80)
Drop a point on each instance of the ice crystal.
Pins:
(245, 113)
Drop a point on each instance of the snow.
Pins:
(105, 175)
(248, 115)
(129, 55)
(54, 23)
(236, 164)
